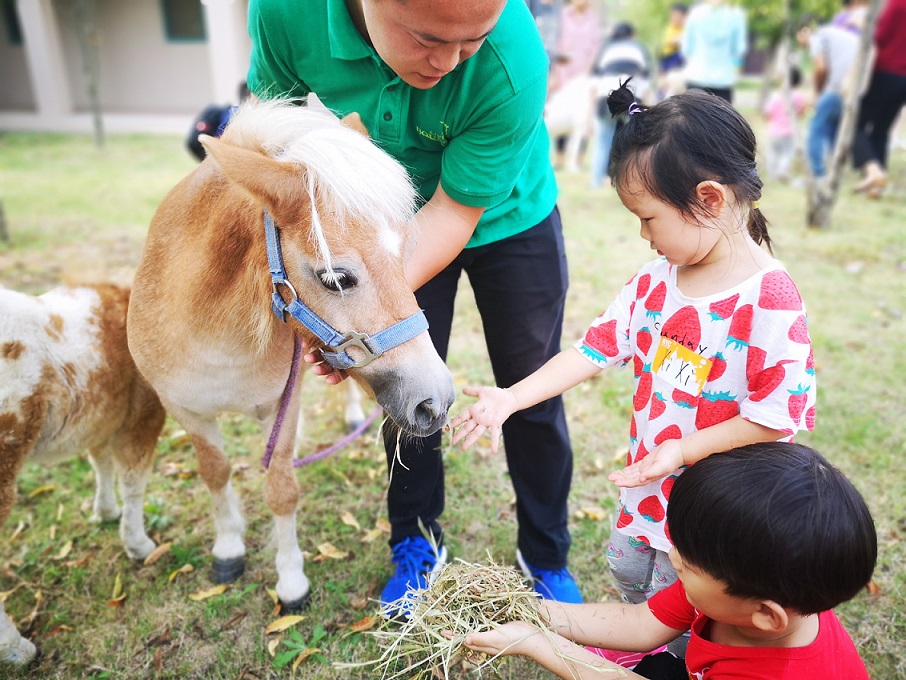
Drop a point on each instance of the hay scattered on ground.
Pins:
(464, 598)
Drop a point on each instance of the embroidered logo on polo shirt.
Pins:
(441, 137)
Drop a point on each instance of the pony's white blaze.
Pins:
(67, 384)
(200, 322)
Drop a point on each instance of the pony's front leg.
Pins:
(214, 469)
(281, 494)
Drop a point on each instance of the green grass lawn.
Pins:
(76, 213)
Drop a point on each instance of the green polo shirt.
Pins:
(479, 131)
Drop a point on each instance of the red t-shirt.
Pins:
(832, 655)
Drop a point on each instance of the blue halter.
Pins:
(371, 345)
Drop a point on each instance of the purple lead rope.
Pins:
(281, 414)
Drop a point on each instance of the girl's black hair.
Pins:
(774, 521)
(684, 140)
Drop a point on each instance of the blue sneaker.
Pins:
(417, 565)
(551, 584)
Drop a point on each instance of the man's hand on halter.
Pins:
(333, 376)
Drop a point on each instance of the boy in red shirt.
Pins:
(768, 538)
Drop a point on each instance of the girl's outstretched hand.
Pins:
(493, 407)
(663, 460)
(508, 639)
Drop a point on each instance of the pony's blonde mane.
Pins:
(348, 176)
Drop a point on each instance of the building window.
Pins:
(11, 20)
(183, 20)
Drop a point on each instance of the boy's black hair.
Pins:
(774, 521)
(673, 146)
(795, 76)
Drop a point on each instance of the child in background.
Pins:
(769, 538)
(714, 328)
(780, 131)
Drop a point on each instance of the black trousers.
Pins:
(520, 287)
(878, 109)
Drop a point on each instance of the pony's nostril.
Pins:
(425, 411)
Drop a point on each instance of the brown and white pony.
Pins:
(201, 325)
(68, 384)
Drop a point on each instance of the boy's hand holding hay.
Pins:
(490, 607)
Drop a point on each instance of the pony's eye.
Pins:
(338, 280)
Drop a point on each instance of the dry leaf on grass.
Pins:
(210, 592)
(349, 520)
(157, 553)
(283, 623)
(364, 624)
(184, 569)
(64, 551)
(370, 536)
(47, 488)
(303, 655)
(327, 551)
(272, 646)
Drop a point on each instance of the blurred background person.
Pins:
(714, 43)
(883, 100)
(833, 48)
(670, 56)
(568, 110)
(780, 132)
(621, 57)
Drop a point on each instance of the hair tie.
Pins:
(634, 108)
(754, 205)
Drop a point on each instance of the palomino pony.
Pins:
(210, 320)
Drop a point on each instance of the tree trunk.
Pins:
(824, 190)
(4, 232)
(89, 37)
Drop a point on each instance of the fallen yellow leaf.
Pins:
(64, 551)
(371, 535)
(47, 488)
(117, 602)
(19, 529)
(283, 623)
(350, 521)
(117, 587)
(363, 624)
(272, 593)
(383, 525)
(272, 646)
(329, 552)
(6, 593)
(210, 592)
(184, 569)
(157, 553)
(53, 532)
(59, 511)
(304, 655)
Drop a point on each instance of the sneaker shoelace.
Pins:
(411, 555)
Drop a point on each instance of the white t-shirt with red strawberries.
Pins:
(698, 362)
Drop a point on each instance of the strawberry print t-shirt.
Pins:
(701, 361)
(831, 655)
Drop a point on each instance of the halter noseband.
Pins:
(335, 343)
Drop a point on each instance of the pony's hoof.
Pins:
(227, 571)
(296, 606)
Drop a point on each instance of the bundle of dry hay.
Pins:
(465, 598)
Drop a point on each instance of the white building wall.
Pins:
(147, 82)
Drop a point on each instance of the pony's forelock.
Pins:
(355, 180)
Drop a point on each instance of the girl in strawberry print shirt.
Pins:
(715, 328)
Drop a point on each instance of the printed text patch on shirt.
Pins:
(680, 367)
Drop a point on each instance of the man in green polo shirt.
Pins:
(454, 89)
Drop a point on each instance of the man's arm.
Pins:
(444, 227)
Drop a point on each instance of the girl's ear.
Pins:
(770, 617)
(712, 196)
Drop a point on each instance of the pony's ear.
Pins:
(354, 122)
(279, 186)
